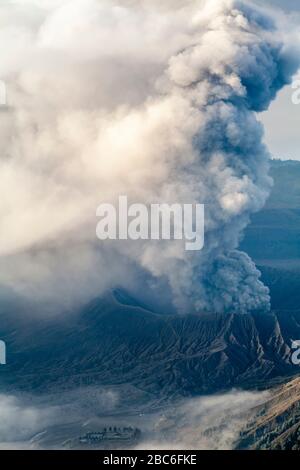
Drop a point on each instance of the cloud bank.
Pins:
(20, 421)
(158, 103)
(32, 422)
(213, 423)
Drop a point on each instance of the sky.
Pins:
(286, 4)
(281, 121)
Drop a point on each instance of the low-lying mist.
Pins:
(209, 422)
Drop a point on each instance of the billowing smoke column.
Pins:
(110, 98)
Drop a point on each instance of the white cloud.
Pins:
(19, 421)
(32, 421)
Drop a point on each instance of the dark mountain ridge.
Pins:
(168, 355)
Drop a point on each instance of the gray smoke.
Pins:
(109, 98)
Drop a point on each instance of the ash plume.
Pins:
(109, 98)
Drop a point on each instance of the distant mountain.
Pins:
(274, 233)
(273, 237)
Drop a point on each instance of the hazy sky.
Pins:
(286, 4)
(282, 119)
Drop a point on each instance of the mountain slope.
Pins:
(275, 425)
(112, 343)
